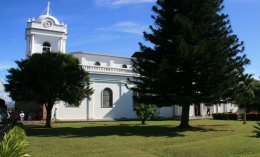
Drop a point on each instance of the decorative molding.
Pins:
(108, 70)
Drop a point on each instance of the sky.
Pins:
(111, 27)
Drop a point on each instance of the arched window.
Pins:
(46, 47)
(97, 64)
(124, 66)
(107, 98)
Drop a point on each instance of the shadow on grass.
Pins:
(119, 130)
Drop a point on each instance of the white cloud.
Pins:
(6, 65)
(95, 39)
(126, 27)
(104, 34)
(117, 3)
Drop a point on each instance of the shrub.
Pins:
(225, 116)
(14, 144)
(257, 131)
(254, 116)
(144, 111)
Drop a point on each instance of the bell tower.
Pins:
(45, 34)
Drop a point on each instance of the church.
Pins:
(112, 98)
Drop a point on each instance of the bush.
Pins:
(144, 111)
(254, 116)
(257, 131)
(14, 144)
(225, 116)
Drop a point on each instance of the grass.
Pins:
(208, 138)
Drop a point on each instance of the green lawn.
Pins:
(209, 138)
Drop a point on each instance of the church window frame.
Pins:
(46, 47)
(107, 98)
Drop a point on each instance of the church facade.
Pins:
(112, 98)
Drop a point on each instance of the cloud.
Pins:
(126, 27)
(6, 65)
(104, 34)
(117, 3)
(4, 95)
(95, 39)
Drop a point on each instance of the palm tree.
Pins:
(246, 93)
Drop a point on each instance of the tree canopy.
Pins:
(48, 78)
(245, 95)
(195, 56)
(255, 105)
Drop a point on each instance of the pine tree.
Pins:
(195, 56)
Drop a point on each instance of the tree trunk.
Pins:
(185, 117)
(48, 117)
(143, 121)
(244, 115)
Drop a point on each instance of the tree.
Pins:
(255, 106)
(144, 111)
(195, 57)
(245, 96)
(48, 78)
(2, 104)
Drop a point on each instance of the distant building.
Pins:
(112, 98)
(2, 88)
(4, 96)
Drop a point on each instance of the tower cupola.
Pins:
(45, 33)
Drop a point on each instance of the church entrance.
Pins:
(197, 110)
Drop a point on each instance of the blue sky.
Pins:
(111, 26)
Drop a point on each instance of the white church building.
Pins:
(112, 98)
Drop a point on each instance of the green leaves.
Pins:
(257, 131)
(194, 57)
(144, 111)
(245, 92)
(47, 78)
(14, 144)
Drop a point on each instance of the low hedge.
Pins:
(251, 116)
(225, 116)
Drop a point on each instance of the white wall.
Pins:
(39, 40)
(65, 112)
(122, 98)
(231, 108)
(166, 112)
(105, 60)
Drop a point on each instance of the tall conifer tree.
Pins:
(195, 58)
